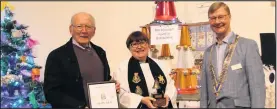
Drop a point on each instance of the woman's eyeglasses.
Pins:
(137, 44)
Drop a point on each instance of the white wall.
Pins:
(49, 21)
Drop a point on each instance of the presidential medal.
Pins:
(216, 93)
(217, 83)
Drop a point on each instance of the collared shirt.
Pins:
(77, 44)
(220, 51)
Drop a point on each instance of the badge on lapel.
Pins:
(236, 66)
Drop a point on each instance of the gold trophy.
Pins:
(158, 94)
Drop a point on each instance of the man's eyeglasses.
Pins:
(80, 27)
(220, 18)
(137, 44)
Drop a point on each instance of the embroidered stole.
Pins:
(218, 83)
(136, 79)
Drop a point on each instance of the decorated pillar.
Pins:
(186, 74)
(165, 15)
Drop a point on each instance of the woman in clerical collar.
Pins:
(140, 77)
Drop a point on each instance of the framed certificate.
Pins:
(103, 95)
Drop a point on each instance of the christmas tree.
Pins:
(20, 85)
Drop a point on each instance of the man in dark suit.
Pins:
(70, 67)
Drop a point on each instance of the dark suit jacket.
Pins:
(63, 86)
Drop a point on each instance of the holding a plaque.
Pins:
(71, 66)
(144, 82)
(102, 95)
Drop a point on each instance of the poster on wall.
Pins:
(201, 38)
(165, 34)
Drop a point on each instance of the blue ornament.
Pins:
(30, 60)
(4, 67)
(15, 105)
(5, 104)
(3, 38)
(26, 105)
(16, 84)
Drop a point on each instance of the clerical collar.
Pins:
(226, 39)
(146, 61)
(80, 46)
(143, 62)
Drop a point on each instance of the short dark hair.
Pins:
(135, 37)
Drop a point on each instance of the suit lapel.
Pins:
(72, 58)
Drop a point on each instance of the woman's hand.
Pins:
(148, 101)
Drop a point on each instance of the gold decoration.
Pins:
(179, 77)
(165, 53)
(186, 72)
(136, 78)
(156, 85)
(23, 58)
(185, 41)
(165, 50)
(195, 71)
(161, 79)
(178, 47)
(192, 48)
(4, 4)
(172, 74)
(182, 39)
(186, 81)
(35, 73)
(217, 83)
(138, 90)
(193, 77)
(185, 37)
(153, 49)
(144, 31)
(185, 46)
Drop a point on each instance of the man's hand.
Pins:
(147, 101)
(117, 86)
(167, 101)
